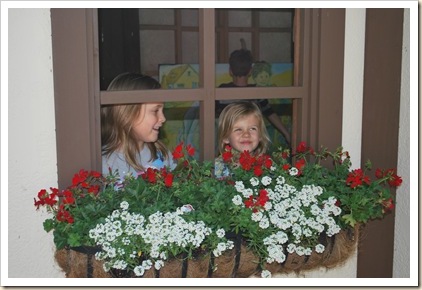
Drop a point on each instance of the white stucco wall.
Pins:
(401, 266)
(32, 141)
(32, 148)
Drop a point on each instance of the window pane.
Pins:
(160, 16)
(276, 19)
(151, 56)
(275, 47)
(190, 47)
(189, 17)
(182, 125)
(240, 18)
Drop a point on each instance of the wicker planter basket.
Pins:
(239, 262)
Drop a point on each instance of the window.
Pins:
(316, 91)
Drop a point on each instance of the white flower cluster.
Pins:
(124, 236)
(298, 216)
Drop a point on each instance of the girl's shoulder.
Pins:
(115, 162)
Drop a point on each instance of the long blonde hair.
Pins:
(231, 114)
(117, 121)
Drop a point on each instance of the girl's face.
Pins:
(245, 134)
(147, 125)
(262, 79)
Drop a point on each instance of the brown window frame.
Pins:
(317, 89)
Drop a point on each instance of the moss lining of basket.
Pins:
(239, 262)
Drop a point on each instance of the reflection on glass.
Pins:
(266, 33)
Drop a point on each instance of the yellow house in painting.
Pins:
(180, 77)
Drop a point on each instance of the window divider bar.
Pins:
(139, 96)
(264, 93)
(207, 81)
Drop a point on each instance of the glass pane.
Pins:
(283, 109)
(275, 19)
(275, 47)
(143, 40)
(150, 55)
(240, 18)
(190, 47)
(182, 125)
(189, 17)
(151, 16)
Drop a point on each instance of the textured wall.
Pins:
(401, 266)
(32, 141)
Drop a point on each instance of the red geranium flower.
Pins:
(258, 170)
(68, 197)
(178, 153)
(227, 156)
(191, 150)
(301, 148)
(246, 160)
(150, 175)
(263, 197)
(44, 198)
(168, 180)
(249, 202)
(300, 164)
(388, 205)
(64, 216)
(79, 177)
(356, 178)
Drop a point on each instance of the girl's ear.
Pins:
(226, 141)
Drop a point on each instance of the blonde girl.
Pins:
(241, 126)
(129, 132)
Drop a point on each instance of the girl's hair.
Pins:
(231, 114)
(259, 67)
(117, 121)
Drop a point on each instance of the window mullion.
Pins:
(207, 81)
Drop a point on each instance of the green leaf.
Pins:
(74, 240)
(349, 219)
(48, 225)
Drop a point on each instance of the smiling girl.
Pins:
(129, 133)
(241, 126)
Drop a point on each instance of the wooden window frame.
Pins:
(318, 85)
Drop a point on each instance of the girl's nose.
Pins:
(246, 133)
(162, 118)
